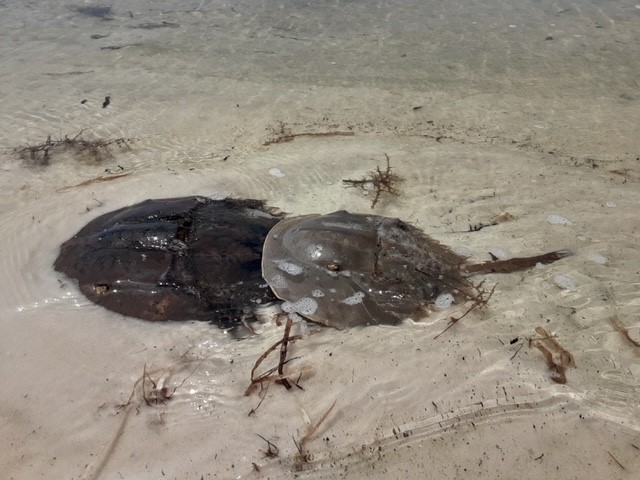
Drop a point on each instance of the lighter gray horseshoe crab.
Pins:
(346, 270)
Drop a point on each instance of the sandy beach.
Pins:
(483, 108)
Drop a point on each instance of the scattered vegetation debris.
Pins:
(378, 181)
(154, 26)
(281, 133)
(91, 181)
(162, 389)
(94, 150)
(275, 374)
(302, 457)
(619, 326)
(160, 392)
(565, 360)
(616, 460)
(283, 354)
(272, 450)
(479, 301)
(107, 101)
(502, 218)
(517, 351)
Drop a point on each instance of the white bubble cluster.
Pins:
(443, 301)
(304, 306)
(598, 258)
(276, 172)
(314, 251)
(278, 281)
(354, 299)
(317, 293)
(555, 219)
(499, 252)
(288, 267)
(462, 251)
(564, 282)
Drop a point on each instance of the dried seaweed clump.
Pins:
(378, 181)
(95, 150)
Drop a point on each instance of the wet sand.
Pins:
(485, 108)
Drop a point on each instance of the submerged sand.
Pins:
(529, 109)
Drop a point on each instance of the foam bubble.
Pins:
(462, 251)
(276, 172)
(598, 258)
(443, 301)
(565, 282)
(314, 251)
(304, 306)
(499, 252)
(278, 281)
(354, 299)
(555, 219)
(317, 293)
(288, 267)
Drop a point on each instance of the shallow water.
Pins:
(480, 114)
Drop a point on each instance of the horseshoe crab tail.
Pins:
(514, 264)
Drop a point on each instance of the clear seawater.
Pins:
(527, 107)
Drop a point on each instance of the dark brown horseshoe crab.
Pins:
(188, 258)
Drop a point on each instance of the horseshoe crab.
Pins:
(189, 258)
(346, 270)
(194, 258)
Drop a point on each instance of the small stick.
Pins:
(273, 451)
(480, 302)
(618, 325)
(283, 353)
(566, 357)
(616, 460)
(268, 375)
(100, 179)
(311, 430)
(558, 370)
(517, 351)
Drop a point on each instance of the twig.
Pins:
(91, 181)
(618, 325)
(275, 373)
(479, 302)
(616, 460)
(565, 356)
(283, 353)
(503, 217)
(558, 369)
(273, 451)
(311, 431)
